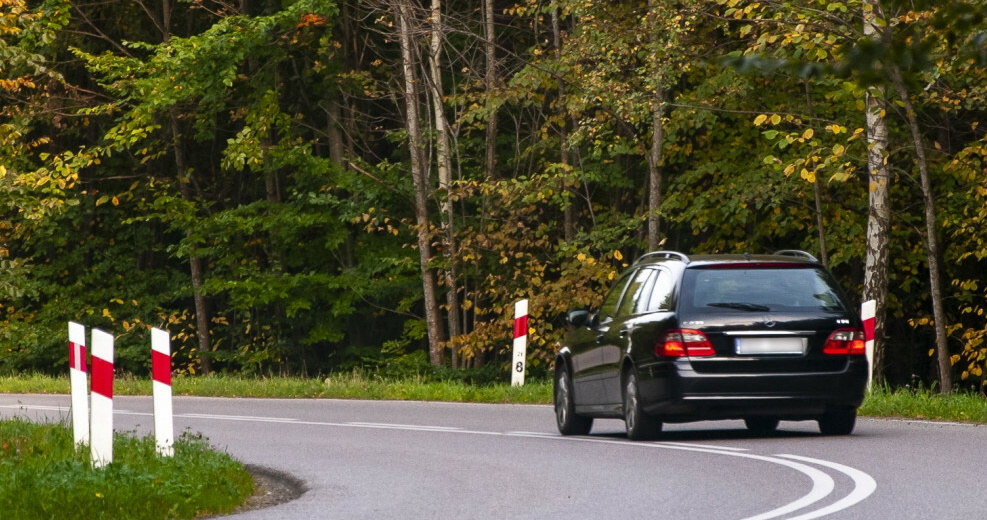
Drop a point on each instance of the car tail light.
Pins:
(684, 342)
(845, 341)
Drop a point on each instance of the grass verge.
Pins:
(925, 404)
(338, 386)
(881, 402)
(44, 476)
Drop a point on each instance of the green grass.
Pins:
(881, 402)
(925, 404)
(339, 386)
(45, 477)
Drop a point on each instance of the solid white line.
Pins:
(242, 418)
(237, 417)
(864, 486)
(390, 426)
(693, 445)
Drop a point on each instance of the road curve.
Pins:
(414, 460)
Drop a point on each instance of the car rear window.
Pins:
(759, 288)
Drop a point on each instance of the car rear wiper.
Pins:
(740, 306)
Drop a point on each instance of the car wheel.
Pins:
(640, 426)
(761, 425)
(838, 421)
(568, 421)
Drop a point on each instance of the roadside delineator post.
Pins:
(520, 342)
(79, 381)
(868, 313)
(164, 428)
(102, 399)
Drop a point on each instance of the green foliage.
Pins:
(268, 144)
(44, 475)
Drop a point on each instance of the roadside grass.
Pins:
(44, 476)
(908, 403)
(351, 385)
(880, 402)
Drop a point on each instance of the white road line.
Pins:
(693, 445)
(414, 427)
(236, 417)
(864, 486)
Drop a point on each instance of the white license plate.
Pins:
(753, 346)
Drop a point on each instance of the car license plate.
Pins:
(754, 346)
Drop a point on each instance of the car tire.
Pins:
(568, 421)
(838, 421)
(640, 426)
(761, 425)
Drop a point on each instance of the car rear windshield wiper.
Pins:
(740, 306)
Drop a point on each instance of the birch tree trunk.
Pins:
(444, 162)
(879, 184)
(420, 179)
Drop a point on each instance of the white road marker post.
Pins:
(164, 425)
(78, 378)
(520, 342)
(102, 399)
(868, 313)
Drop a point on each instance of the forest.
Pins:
(297, 187)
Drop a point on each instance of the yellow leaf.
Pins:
(932, 351)
(808, 134)
(775, 119)
(106, 314)
(759, 120)
(618, 255)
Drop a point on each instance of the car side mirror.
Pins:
(577, 318)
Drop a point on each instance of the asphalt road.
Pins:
(413, 460)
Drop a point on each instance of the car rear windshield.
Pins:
(759, 288)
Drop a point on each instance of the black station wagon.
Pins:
(755, 337)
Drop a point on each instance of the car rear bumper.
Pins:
(676, 392)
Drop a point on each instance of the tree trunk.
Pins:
(820, 222)
(196, 271)
(932, 242)
(195, 262)
(420, 179)
(490, 83)
(444, 161)
(568, 216)
(654, 168)
(879, 213)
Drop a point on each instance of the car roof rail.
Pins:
(796, 252)
(662, 254)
